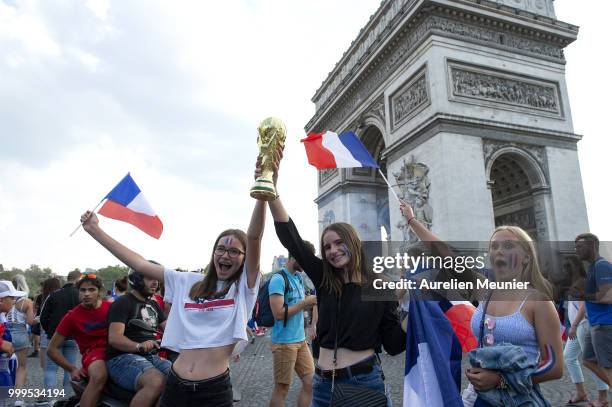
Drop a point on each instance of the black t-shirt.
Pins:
(358, 324)
(126, 308)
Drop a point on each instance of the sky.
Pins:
(173, 93)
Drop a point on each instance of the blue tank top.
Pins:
(513, 329)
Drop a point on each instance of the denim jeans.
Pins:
(71, 352)
(571, 354)
(19, 333)
(126, 369)
(321, 388)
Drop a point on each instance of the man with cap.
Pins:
(86, 324)
(132, 359)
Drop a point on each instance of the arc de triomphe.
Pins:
(464, 105)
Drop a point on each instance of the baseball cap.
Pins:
(8, 290)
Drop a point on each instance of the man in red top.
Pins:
(86, 324)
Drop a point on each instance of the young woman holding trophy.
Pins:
(350, 331)
(209, 313)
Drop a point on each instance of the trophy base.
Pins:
(263, 190)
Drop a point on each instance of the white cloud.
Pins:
(173, 92)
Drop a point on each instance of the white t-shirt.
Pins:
(207, 323)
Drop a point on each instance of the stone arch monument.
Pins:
(464, 105)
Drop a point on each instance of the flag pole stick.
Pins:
(390, 187)
(80, 224)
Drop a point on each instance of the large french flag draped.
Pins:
(433, 358)
(330, 150)
(127, 203)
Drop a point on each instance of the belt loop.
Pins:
(349, 371)
(194, 387)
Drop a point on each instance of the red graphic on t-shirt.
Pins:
(210, 305)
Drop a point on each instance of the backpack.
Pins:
(265, 317)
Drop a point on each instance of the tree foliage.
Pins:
(109, 274)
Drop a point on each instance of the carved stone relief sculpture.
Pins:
(410, 98)
(414, 187)
(328, 218)
(326, 175)
(504, 89)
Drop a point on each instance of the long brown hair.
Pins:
(531, 272)
(333, 277)
(207, 288)
(50, 286)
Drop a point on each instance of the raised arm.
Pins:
(424, 234)
(254, 235)
(125, 255)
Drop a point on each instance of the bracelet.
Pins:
(502, 384)
(411, 219)
(138, 349)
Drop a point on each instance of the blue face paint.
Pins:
(227, 240)
(512, 263)
(346, 250)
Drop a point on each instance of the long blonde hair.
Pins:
(531, 272)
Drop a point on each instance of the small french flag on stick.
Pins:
(128, 204)
(330, 150)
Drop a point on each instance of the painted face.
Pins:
(335, 250)
(88, 294)
(507, 256)
(150, 286)
(228, 257)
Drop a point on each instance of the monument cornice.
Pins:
(486, 129)
(407, 24)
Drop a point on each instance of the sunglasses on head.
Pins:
(90, 276)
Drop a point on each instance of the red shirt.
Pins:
(88, 327)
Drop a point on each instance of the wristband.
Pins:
(411, 219)
(138, 348)
(502, 384)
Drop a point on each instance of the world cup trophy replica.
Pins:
(272, 134)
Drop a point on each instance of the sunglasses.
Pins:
(89, 276)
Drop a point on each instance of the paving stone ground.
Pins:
(252, 378)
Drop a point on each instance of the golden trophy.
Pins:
(272, 134)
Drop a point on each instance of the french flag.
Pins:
(330, 150)
(127, 203)
(433, 358)
(459, 314)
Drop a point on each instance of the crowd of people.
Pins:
(173, 348)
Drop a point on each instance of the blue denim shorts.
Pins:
(126, 369)
(19, 335)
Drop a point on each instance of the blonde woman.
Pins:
(526, 318)
(18, 317)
